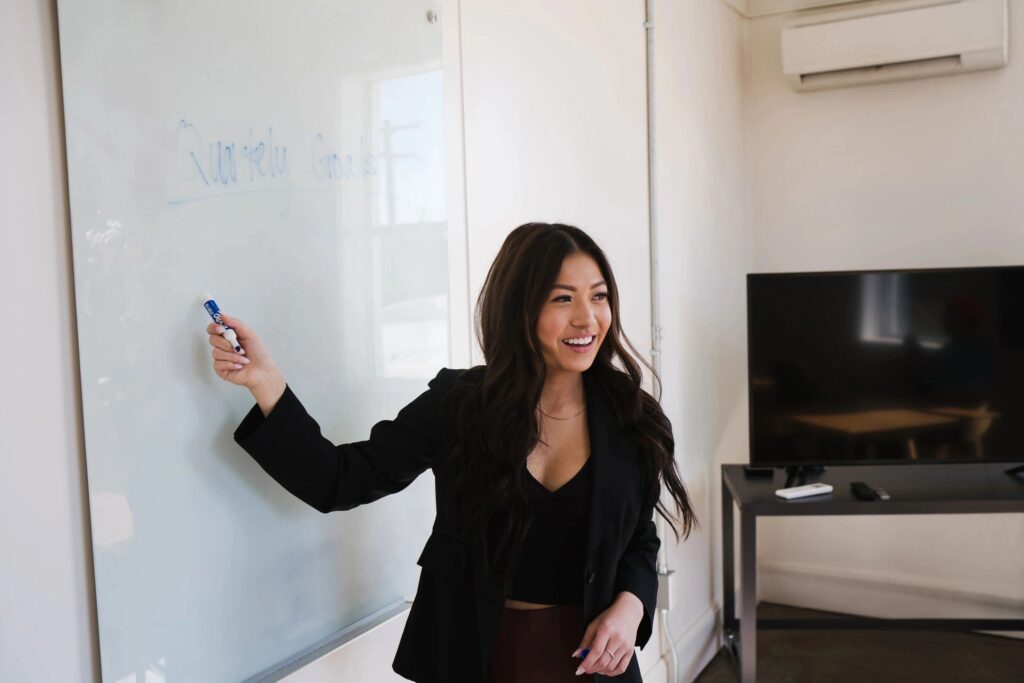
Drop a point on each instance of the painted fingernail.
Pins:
(237, 366)
(579, 671)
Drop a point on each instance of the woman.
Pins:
(548, 465)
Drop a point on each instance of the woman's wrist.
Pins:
(269, 391)
(633, 602)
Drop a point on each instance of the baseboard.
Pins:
(885, 594)
(699, 644)
(695, 647)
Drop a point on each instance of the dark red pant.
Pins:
(534, 646)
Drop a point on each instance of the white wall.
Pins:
(914, 174)
(703, 218)
(555, 131)
(47, 618)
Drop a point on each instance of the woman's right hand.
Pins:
(252, 368)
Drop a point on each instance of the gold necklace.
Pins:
(563, 418)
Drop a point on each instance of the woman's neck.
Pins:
(562, 390)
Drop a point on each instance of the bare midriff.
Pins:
(520, 604)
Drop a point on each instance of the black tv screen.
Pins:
(886, 366)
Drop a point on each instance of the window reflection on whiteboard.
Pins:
(410, 125)
(409, 232)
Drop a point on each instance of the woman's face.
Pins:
(577, 307)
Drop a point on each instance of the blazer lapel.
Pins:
(609, 468)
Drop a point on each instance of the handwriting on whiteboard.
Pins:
(260, 162)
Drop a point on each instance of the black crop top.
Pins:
(550, 569)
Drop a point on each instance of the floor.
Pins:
(872, 656)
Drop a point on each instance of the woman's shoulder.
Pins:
(449, 389)
(446, 378)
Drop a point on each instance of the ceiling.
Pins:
(760, 8)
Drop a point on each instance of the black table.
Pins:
(915, 489)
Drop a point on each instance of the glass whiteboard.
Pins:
(288, 158)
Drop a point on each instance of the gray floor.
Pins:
(872, 656)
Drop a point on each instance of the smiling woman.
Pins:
(527, 426)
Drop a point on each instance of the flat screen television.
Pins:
(886, 366)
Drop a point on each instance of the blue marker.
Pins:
(214, 310)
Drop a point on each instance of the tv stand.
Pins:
(1016, 471)
(796, 475)
(915, 490)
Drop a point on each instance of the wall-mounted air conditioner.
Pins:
(892, 40)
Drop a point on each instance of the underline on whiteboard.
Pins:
(201, 198)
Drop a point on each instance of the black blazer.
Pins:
(454, 618)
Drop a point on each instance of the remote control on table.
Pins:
(865, 491)
(804, 491)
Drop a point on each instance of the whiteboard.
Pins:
(288, 158)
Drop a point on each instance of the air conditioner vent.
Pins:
(893, 41)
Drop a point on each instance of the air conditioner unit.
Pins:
(873, 42)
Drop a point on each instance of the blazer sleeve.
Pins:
(289, 446)
(637, 571)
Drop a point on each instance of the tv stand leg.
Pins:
(1016, 471)
(748, 597)
(728, 561)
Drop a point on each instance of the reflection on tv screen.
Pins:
(886, 366)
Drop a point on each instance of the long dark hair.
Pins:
(494, 425)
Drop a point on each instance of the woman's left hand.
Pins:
(611, 637)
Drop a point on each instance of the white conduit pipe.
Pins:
(673, 662)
